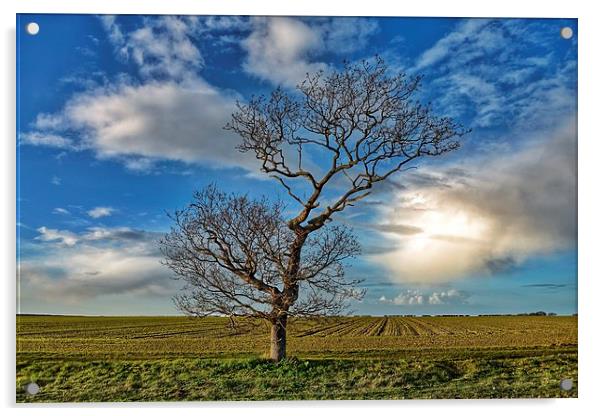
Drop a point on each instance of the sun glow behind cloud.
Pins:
(490, 214)
(447, 247)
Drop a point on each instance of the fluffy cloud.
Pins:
(140, 124)
(61, 236)
(416, 297)
(94, 263)
(173, 114)
(162, 47)
(100, 212)
(408, 297)
(451, 296)
(486, 214)
(278, 50)
(283, 50)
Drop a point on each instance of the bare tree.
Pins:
(234, 254)
(327, 145)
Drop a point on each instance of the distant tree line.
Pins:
(538, 313)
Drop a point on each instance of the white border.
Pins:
(590, 208)
(458, 8)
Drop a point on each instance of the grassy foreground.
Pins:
(161, 359)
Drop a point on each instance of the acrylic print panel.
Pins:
(292, 208)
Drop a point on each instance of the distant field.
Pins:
(179, 358)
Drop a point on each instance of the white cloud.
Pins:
(408, 297)
(157, 120)
(451, 296)
(113, 30)
(55, 180)
(140, 125)
(416, 297)
(99, 212)
(61, 211)
(94, 234)
(486, 214)
(222, 23)
(41, 138)
(63, 237)
(279, 48)
(162, 47)
(94, 263)
(142, 164)
(48, 121)
(283, 50)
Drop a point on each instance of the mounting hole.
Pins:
(566, 384)
(566, 32)
(32, 389)
(32, 28)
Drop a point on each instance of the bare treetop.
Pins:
(365, 119)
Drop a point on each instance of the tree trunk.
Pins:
(278, 341)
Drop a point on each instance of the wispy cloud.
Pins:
(162, 47)
(99, 212)
(462, 40)
(120, 234)
(498, 72)
(41, 138)
(547, 285)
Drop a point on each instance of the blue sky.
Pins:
(120, 120)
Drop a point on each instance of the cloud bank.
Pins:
(75, 267)
(485, 215)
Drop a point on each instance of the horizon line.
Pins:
(537, 313)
